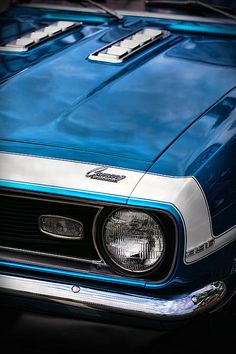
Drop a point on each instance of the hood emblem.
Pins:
(61, 227)
(98, 173)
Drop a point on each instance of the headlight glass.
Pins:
(133, 240)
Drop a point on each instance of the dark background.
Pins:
(35, 333)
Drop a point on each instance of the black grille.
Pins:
(19, 228)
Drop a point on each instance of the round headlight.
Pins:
(133, 240)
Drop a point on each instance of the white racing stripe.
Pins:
(187, 196)
(184, 193)
(64, 174)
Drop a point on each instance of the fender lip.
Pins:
(99, 301)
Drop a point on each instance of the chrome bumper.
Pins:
(100, 301)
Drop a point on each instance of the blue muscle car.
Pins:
(117, 161)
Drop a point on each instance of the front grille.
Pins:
(19, 227)
(22, 241)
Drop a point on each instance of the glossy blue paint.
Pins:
(71, 109)
(72, 155)
(183, 278)
(109, 198)
(207, 29)
(87, 18)
(207, 151)
(87, 276)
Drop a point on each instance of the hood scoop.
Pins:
(34, 38)
(122, 49)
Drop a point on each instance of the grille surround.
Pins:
(89, 265)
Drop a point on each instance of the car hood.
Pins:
(131, 112)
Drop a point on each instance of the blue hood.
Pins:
(132, 111)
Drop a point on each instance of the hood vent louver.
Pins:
(32, 39)
(119, 51)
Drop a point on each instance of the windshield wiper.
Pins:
(101, 7)
(189, 4)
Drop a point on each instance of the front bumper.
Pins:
(98, 302)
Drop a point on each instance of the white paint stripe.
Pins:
(187, 196)
(184, 193)
(64, 174)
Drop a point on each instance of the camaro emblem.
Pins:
(62, 227)
(98, 173)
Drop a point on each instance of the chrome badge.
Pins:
(98, 173)
(60, 226)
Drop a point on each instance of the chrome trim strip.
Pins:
(53, 255)
(132, 13)
(175, 307)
